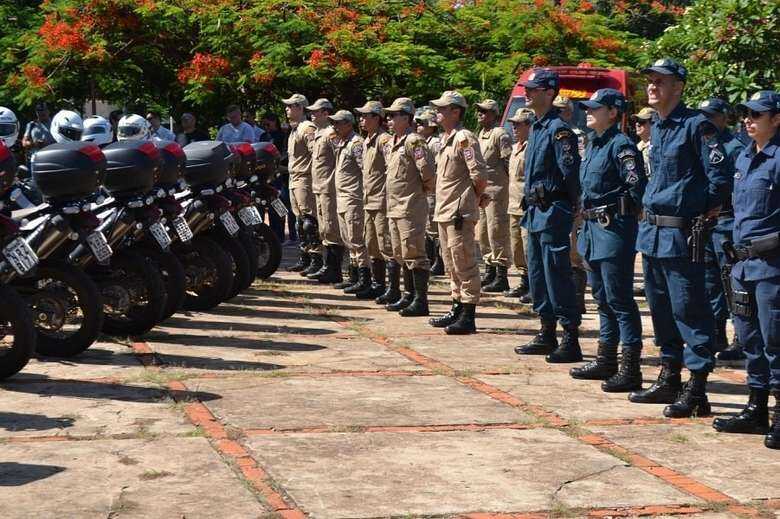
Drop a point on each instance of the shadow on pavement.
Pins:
(237, 342)
(16, 422)
(272, 315)
(179, 322)
(95, 356)
(14, 474)
(215, 364)
(282, 303)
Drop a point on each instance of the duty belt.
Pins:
(660, 220)
(543, 201)
(761, 247)
(595, 213)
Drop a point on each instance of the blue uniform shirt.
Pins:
(733, 147)
(757, 206)
(552, 159)
(612, 166)
(688, 162)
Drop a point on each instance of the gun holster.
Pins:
(744, 304)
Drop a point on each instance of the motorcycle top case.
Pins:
(68, 171)
(173, 161)
(267, 156)
(209, 163)
(7, 168)
(246, 160)
(133, 168)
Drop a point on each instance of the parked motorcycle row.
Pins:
(126, 236)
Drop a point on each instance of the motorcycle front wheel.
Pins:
(208, 272)
(269, 250)
(17, 333)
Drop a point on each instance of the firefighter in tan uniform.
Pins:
(496, 147)
(376, 233)
(521, 125)
(323, 166)
(428, 129)
(410, 177)
(349, 197)
(461, 179)
(304, 206)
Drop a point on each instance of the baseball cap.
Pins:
(488, 105)
(714, 106)
(542, 78)
(403, 105)
(320, 104)
(668, 67)
(341, 116)
(426, 116)
(296, 99)
(645, 114)
(608, 97)
(562, 102)
(523, 115)
(371, 107)
(450, 97)
(763, 101)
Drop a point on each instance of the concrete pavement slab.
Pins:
(111, 358)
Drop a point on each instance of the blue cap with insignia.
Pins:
(667, 67)
(763, 101)
(542, 78)
(605, 97)
(714, 106)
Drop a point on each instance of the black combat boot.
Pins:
(408, 294)
(314, 266)
(693, 399)
(448, 318)
(465, 324)
(377, 287)
(772, 439)
(437, 268)
(334, 255)
(629, 375)
(419, 305)
(489, 276)
(303, 262)
(351, 279)
(520, 290)
(733, 352)
(393, 292)
(326, 253)
(544, 342)
(363, 283)
(753, 419)
(664, 390)
(720, 339)
(602, 368)
(500, 283)
(569, 348)
(580, 284)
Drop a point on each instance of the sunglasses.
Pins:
(755, 115)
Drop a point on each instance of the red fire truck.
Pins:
(577, 83)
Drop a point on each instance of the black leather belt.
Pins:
(762, 247)
(549, 198)
(660, 220)
(596, 213)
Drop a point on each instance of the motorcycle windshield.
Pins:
(95, 130)
(7, 129)
(128, 131)
(69, 132)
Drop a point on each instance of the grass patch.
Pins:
(127, 460)
(348, 429)
(150, 475)
(160, 377)
(559, 509)
(679, 438)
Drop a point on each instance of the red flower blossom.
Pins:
(315, 58)
(62, 35)
(607, 44)
(34, 75)
(203, 68)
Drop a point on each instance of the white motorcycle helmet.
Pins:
(132, 127)
(9, 127)
(97, 129)
(66, 126)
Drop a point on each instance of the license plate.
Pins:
(182, 229)
(160, 235)
(250, 216)
(279, 207)
(231, 226)
(20, 256)
(99, 245)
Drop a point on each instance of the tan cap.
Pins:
(402, 104)
(341, 116)
(450, 97)
(371, 107)
(489, 105)
(562, 102)
(644, 114)
(426, 116)
(320, 104)
(523, 115)
(296, 99)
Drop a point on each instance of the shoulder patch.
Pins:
(563, 133)
(419, 152)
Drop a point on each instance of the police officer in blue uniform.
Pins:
(685, 191)
(551, 195)
(717, 111)
(755, 294)
(613, 182)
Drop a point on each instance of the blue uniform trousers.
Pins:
(715, 258)
(760, 335)
(550, 277)
(612, 280)
(680, 311)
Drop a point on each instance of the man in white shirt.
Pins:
(236, 130)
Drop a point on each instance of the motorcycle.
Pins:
(265, 198)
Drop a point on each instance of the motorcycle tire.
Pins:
(17, 333)
(239, 264)
(245, 238)
(83, 296)
(174, 282)
(203, 252)
(131, 271)
(269, 250)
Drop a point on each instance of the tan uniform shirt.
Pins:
(299, 148)
(496, 147)
(516, 178)
(349, 172)
(375, 170)
(323, 160)
(410, 176)
(458, 165)
(644, 148)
